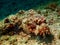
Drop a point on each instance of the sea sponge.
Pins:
(52, 6)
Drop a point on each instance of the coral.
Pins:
(31, 27)
(6, 20)
(36, 25)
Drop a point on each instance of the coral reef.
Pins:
(31, 27)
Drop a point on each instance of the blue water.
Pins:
(8, 7)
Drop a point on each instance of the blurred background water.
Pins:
(8, 7)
